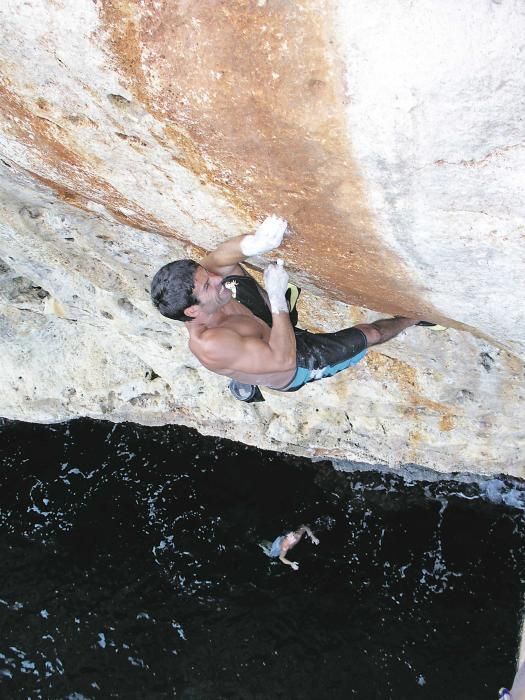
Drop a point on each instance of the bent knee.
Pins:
(373, 335)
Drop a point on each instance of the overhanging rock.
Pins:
(390, 137)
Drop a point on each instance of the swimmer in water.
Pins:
(280, 546)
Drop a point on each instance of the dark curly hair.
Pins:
(172, 289)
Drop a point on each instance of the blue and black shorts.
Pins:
(321, 355)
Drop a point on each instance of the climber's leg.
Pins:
(385, 329)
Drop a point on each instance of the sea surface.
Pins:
(130, 567)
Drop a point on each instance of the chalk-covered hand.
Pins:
(267, 237)
(314, 539)
(294, 565)
(276, 283)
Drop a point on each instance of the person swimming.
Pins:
(282, 544)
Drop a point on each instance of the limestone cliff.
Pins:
(390, 135)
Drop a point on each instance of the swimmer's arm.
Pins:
(225, 259)
(223, 349)
(311, 535)
(282, 557)
(293, 564)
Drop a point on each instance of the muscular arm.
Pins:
(225, 259)
(223, 349)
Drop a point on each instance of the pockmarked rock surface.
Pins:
(390, 137)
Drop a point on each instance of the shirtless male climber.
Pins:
(280, 546)
(247, 334)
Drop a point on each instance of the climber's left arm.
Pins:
(225, 259)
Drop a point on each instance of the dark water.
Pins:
(130, 569)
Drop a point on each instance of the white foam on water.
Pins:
(177, 626)
(136, 662)
(507, 490)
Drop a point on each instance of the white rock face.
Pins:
(390, 136)
(436, 105)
